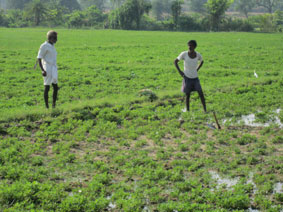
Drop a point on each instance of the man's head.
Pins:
(192, 45)
(52, 36)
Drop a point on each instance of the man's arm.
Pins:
(178, 68)
(41, 67)
(200, 65)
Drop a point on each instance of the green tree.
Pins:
(278, 20)
(90, 17)
(76, 19)
(216, 10)
(3, 18)
(244, 6)
(197, 5)
(270, 5)
(15, 18)
(37, 10)
(94, 16)
(157, 9)
(55, 15)
(160, 7)
(129, 15)
(176, 8)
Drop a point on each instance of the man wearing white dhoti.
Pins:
(47, 59)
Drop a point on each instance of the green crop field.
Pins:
(111, 146)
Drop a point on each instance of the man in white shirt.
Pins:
(191, 67)
(47, 59)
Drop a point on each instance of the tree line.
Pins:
(181, 15)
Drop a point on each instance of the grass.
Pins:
(107, 147)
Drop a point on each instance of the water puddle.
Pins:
(253, 210)
(223, 181)
(111, 204)
(146, 209)
(250, 181)
(278, 188)
(184, 110)
(211, 126)
(250, 120)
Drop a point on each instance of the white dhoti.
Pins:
(51, 74)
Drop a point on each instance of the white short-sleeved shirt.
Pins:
(48, 54)
(190, 65)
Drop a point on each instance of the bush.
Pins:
(278, 20)
(147, 23)
(264, 23)
(149, 94)
(16, 18)
(168, 25)
(188, 23)
(237, 24)
(91, 17)
(3, 19)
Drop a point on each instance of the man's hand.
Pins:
(43, 73)
(178, 68)
(200, 65)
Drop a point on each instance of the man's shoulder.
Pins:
(183, 53)
(45, 44)
(199, 56)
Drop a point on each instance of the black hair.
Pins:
(193, 42)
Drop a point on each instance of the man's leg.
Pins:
(46, 90)
(200, 93)
(55, 93)
(188, 101)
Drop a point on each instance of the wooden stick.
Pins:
(216, 121)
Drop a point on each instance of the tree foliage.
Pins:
(37, 10)
(3, 18)
(129, 15)
(161, 7)
(90, 17)
(278, 20)
(216, 10)
(176, 8)
(56, 15)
